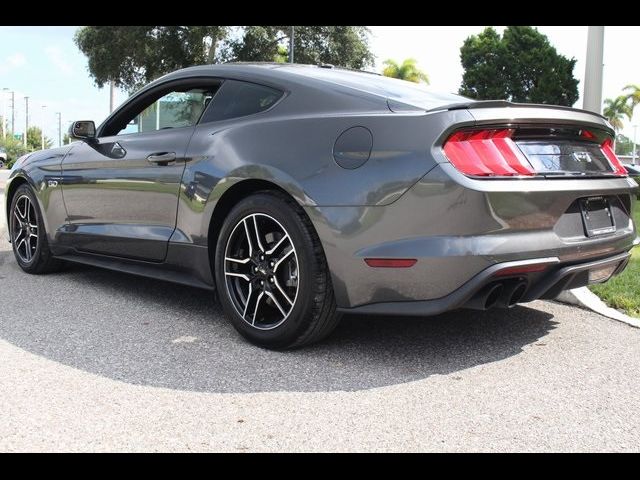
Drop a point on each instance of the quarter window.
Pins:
(238, 99)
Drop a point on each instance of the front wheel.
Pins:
(28, 235)
(272, 275)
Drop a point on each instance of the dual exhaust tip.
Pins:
(500, 295)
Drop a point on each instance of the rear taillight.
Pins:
(492, 153)
(487, 153)
(607, 149)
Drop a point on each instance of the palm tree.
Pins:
(616, 109)
(407, 71)
(634, 95)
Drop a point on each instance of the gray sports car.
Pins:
(301, 192)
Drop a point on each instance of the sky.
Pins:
(44, 64)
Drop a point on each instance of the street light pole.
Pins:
(13, 112)
(26, 121)
(4, 119)
(13, 104)
(59, 128)
(633, 154)
(42, 127)
(68, 136)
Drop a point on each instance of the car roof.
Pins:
(410, 93)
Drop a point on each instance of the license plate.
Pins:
(602, 274)
(597, 217)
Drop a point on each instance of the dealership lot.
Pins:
(97, 360)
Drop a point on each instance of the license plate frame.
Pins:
(597, 216)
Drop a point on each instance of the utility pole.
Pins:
(13, 112)
(291, 44)
(4, 113)
(112, 87)
(42, 127)
(59, 128)
(592, 99)
(26, 121)
(633, 153)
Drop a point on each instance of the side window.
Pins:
(174, 110)
(237, 99)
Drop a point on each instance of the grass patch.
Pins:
(623, 292)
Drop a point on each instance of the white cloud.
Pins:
(57, 58)
(12, 62)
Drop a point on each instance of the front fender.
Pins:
(40, 170)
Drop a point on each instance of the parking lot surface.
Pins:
(94, 360)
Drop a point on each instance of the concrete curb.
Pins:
(584, 297)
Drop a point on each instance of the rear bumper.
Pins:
(458, 228)
(547, 284)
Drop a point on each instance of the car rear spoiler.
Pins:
(471, 104)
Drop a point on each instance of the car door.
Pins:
(121, 190)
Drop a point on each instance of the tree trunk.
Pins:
(212, 50)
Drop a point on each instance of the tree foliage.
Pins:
(624, 145)
(615, 110)
(34, 139)
(132, 56)
(634, 95)
(521, 66)
(345, 46)
(407, 70)
(13, 147)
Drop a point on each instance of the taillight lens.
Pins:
(487, 153)
(607, 149)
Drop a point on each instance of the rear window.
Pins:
(401, 91)
(238, 99)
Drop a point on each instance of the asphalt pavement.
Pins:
(94, 360)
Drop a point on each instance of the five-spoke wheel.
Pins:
(24, 228)
(261, 270)
(271, 273)
(28, 236)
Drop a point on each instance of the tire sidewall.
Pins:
(25, 190)
(297, 320)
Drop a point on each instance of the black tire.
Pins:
(40, 259)
(313, 315)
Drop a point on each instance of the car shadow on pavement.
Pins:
(149, 332)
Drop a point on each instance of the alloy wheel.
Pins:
(261, 271)
(25, 229)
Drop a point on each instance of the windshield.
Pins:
(402, 91)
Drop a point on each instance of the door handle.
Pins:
(162, 157)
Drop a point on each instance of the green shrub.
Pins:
(14, 149)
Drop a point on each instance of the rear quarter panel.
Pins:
(296, 153)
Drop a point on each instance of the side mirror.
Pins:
(82, 130)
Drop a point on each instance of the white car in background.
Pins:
(3, 157)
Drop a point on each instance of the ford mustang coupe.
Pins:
(300, 193)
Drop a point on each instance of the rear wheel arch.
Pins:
(230, 198)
